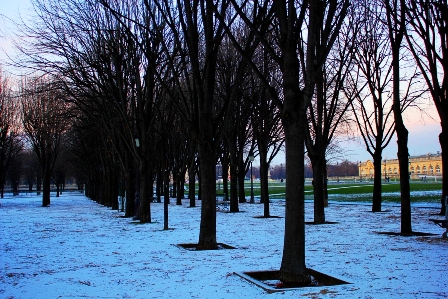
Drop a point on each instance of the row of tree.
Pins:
(33, 122)
(160, 87)
(345, 168)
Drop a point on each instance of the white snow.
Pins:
(77, 248)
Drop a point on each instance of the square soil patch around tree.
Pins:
(326, 222)
(269, 280)
(193, 246)
(418, 234)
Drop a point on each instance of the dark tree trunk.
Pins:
(192, 186)
(396, 24)
(146, 191)
(207, 233)
(179, 192)
(325, 184)
(403, 160)
(377, 185)
(241, 177)
(293, 269)
(166, 200)
(443, 139)
(159, 186)
(264, 183)
(225, 181)
(46, 187)
(318, 187)
(233, 188)
(130, 181)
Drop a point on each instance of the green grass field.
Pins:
(359, 192)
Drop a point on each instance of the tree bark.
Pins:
(146, 191)
(318, 184)
(293, 269)
(234, 188)
(264, 181)
(166, 199)
(377, 185)
(207, 232)
(46, 186)
(396, 26)
(241, 180)
(443, 139)
(192, 186)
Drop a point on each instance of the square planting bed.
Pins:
(192, 246)
(268, 280)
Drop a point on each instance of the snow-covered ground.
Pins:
(78, 249)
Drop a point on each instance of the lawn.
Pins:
(359, 191)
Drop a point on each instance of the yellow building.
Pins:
(420, 167)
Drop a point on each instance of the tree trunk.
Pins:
(264, 181)
(241, 180)
(443, 139)
(159, 186)
(233, 188)
(113, 189)
(46, 186)
(377, 185)
(179, 192)
(192, 186)
(146, 191)
(130, 181)
(207, 232)
(293, 269)
(325, 184)
(400, 129)
(318, 187)
(166, 199)
(403, 160)
(225, 181)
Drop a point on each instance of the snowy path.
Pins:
(79, 249)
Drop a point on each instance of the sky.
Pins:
(76, 248)
(423, 129)
(10, 12)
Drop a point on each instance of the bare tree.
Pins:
(369, 87)
(11, 143)
(427, 40)
(396, 24)
(305, 33)
(327, 112)
(266, 122)
(45, 119)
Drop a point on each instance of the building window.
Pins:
(425, 170)
(418, 169)
(395, 171)
(431, 169)
(438, 169)
(412, 169)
